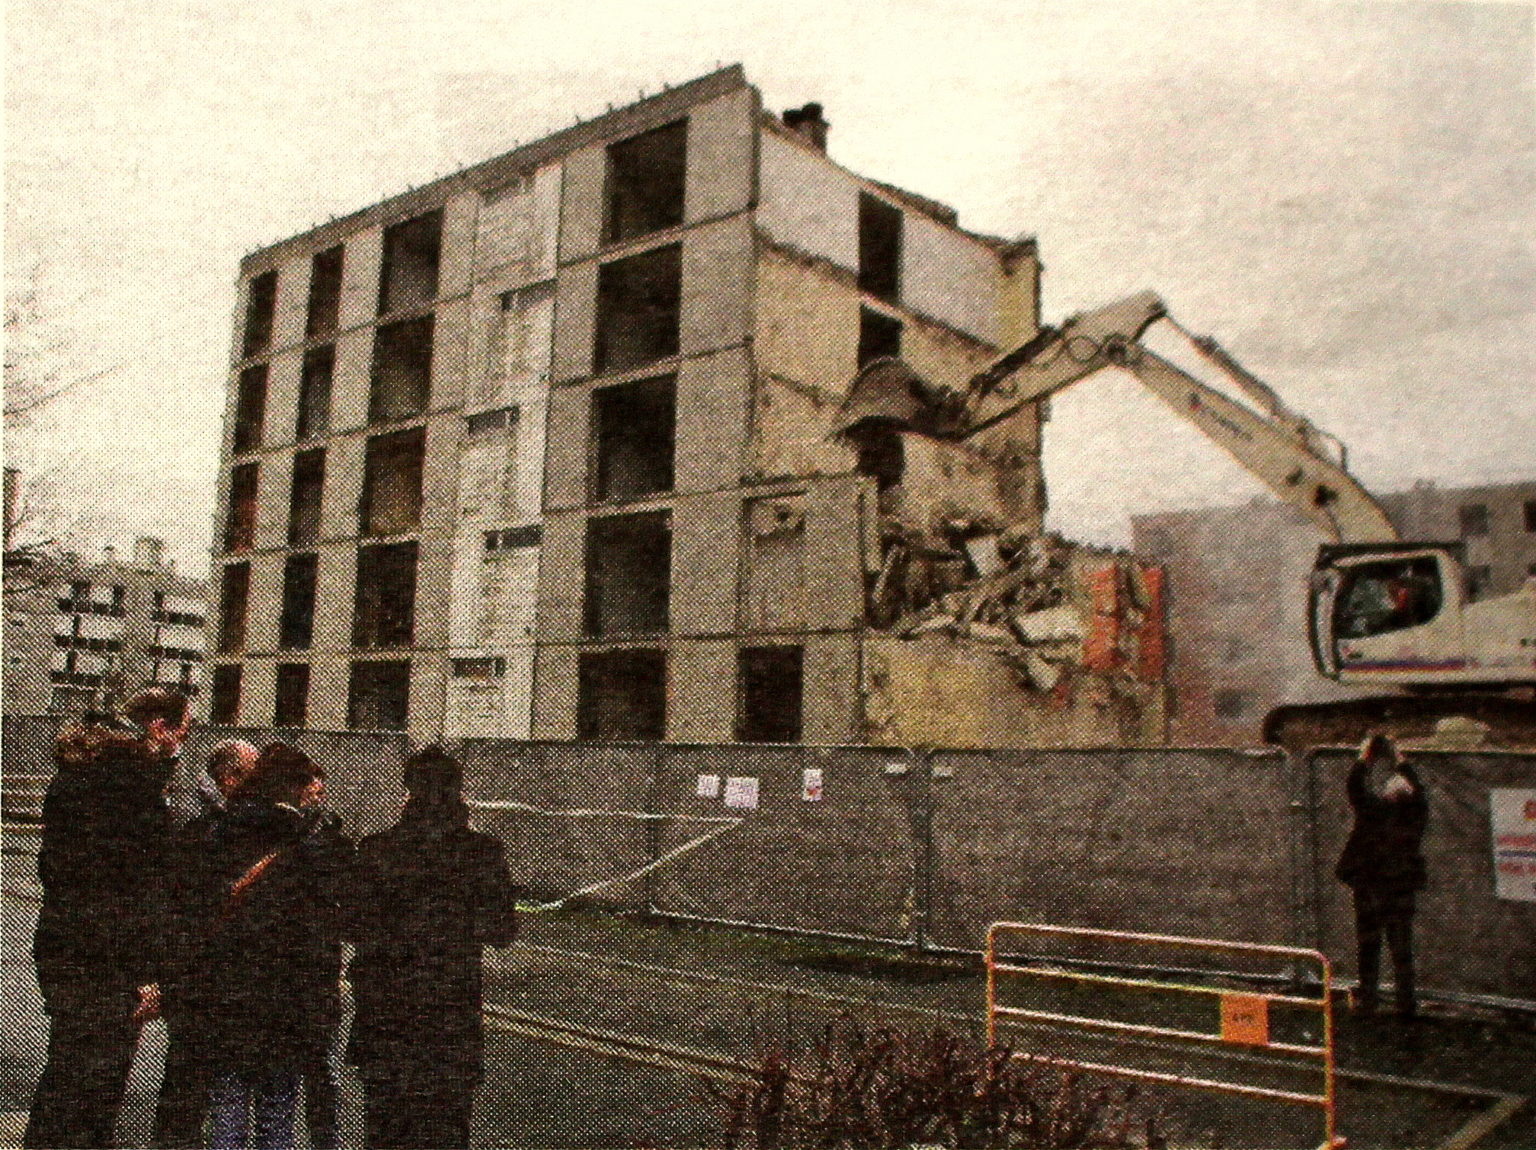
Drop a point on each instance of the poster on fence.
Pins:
(1513, 811)
(741, 791)
(810, 784)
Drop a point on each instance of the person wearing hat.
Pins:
(1383, 865)
(430, 893)
(106, 832)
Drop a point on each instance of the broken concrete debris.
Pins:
(988, 630)
(1049, 609)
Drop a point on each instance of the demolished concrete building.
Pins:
(625, 435)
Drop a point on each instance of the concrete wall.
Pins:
(936, 690)
(713, 378)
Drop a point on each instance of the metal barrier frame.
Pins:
(1326, 1101)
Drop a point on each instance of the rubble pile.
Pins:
(1049, 609)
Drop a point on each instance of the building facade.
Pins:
(1237, 594)
(548, 447)
(75, 628)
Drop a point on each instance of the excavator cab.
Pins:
(1386, 610)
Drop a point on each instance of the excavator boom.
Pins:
(1277, 447)
(1382, 611)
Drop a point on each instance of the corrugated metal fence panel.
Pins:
(1465, 939)
(551, 851)
(844, 863)
(1210, 843)
(1168, 841)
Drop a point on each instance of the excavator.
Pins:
(1384, 612)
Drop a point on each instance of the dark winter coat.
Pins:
(1382, 854)
(188, 897)
(430, 893)
(262, 971)
(106, 830)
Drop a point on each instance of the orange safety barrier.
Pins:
(1244, 1016)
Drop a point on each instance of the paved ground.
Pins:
(709, 993)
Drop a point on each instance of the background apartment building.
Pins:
(74, 626)
(547, 447)
(1237, 594)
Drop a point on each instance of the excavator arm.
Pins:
(1278, 447)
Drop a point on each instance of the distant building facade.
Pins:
(74, 625)
(1237, 594)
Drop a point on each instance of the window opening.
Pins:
(769, 694)
(260, 309)
(392, 482)
(1380, 597)
(402, 370)
(234, 598)
(251, 407)
(881, 455)
(646, 183)
(488, 421)
(298, 618)
(1231, 705)
(1479, 581)
(639, 301)
(629, 561)
(224, 701)
(379, 694)
(479, 668)
(622, 695)
(879, 336)
(304, 501)
(71, 700)
(240, 525)
(412, 252)
(315, 392)
(635, 426)
(292, 709)
(384, 605)
(508, 538)
(1474, 519)
(1530, 515)
(324, 293)
(879, 248)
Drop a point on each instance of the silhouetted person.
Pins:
(1383, 865)
(106, 831)
(430, 893)
(267, 909)
(183, 1103)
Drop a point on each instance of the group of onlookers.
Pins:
(231, 926)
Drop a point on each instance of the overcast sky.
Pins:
(1344, 194)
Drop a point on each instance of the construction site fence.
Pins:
(925, 848)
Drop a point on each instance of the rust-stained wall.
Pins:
(938, 690)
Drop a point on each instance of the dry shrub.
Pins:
(875, 1088)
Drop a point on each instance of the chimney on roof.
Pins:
(809, 124)
(148, 553)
